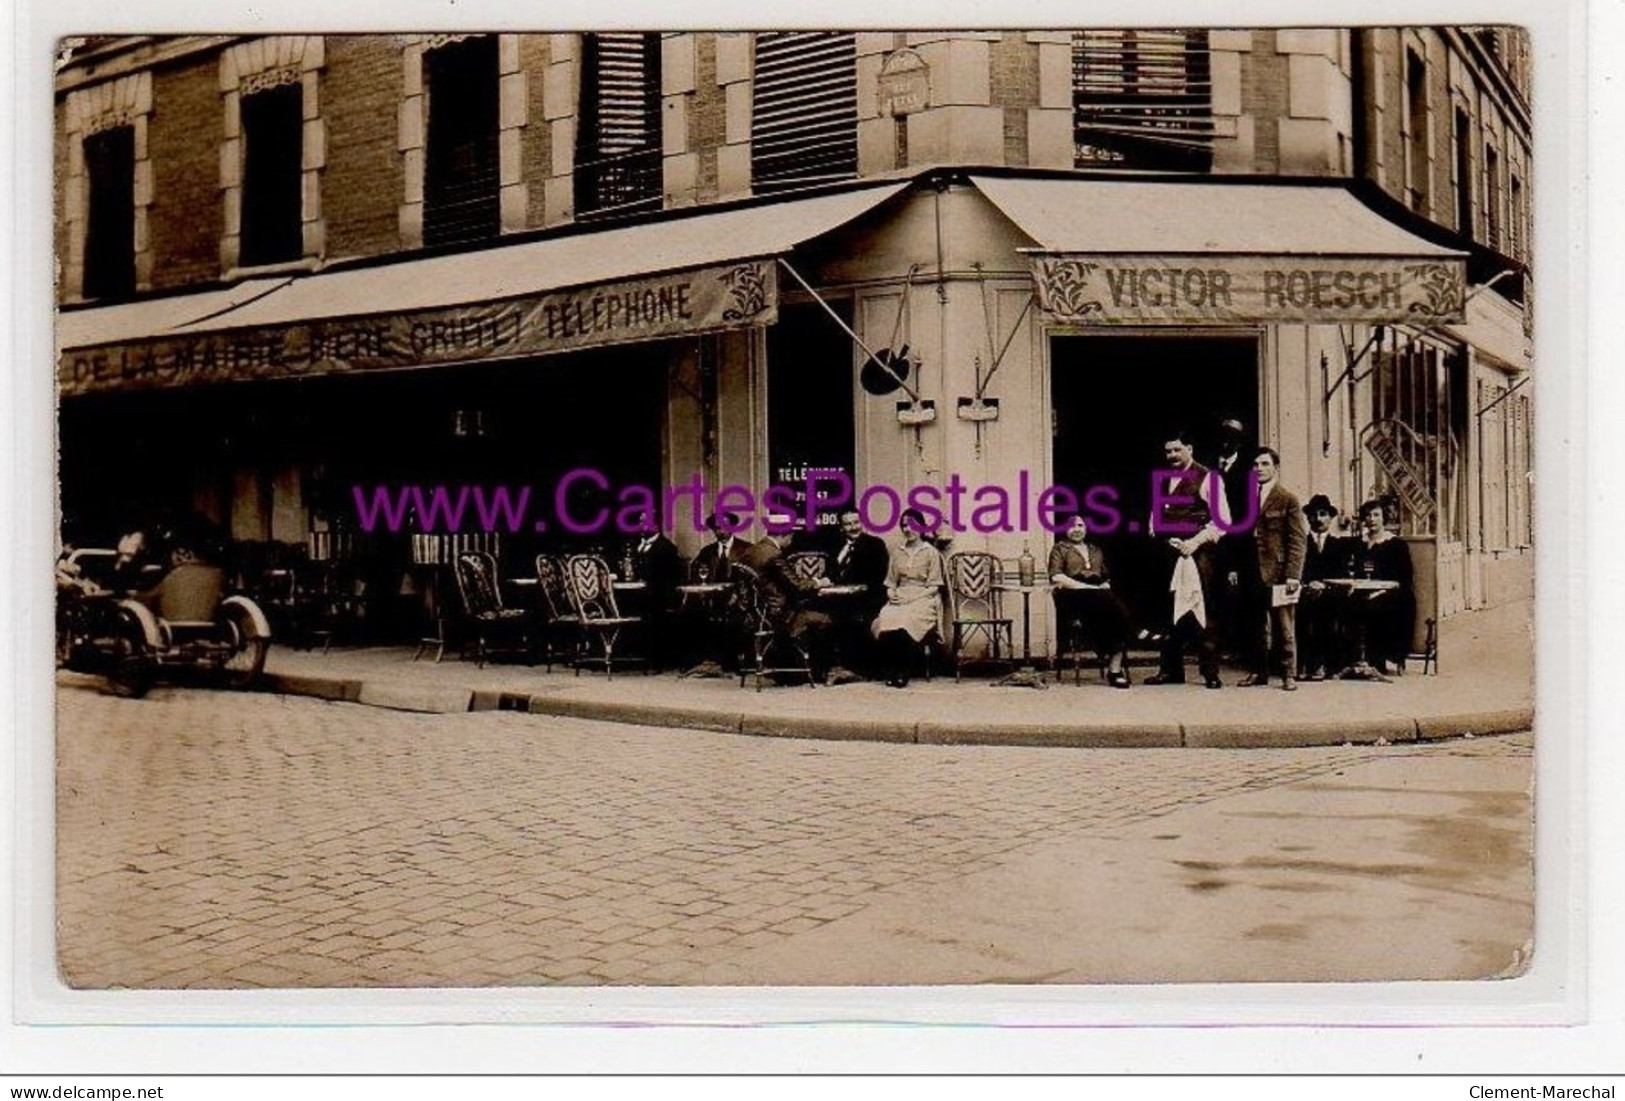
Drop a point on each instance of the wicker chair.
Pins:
(494, 627)
(977, 607)
(766, 650)
(561, 627)
(592, 598)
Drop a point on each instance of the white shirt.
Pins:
(1218, 508)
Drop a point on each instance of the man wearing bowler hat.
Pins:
(1326, 556)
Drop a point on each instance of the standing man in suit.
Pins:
(1326, 556)
(859, 559)
(1278, 540)
(1235, 555)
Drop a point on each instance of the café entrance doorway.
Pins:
(1115, 399)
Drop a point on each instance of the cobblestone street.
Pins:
(227, 840)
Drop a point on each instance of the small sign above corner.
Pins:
(904, 83)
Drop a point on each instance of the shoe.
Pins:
(1162, 678)
(1253, 680)
(897, 682)
(1119, 680)
(1212, 682)
(839, 675)
(1314, 674)
(1289, 685)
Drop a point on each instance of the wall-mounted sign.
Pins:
(1382, 440)
(905, 83)
(1116, 289)
(610, 313)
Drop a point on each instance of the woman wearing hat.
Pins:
(1390, 616)
(1320, 649)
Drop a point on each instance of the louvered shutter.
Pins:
(618, 146)
(1143, 99)
(804, 129)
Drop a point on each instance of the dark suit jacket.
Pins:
(1279, 536)
(782, 592)
(866, 565)
(661, 567)
(708, 556)
(1333, 561)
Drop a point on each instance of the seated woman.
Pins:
(1388, 616)
(914, 586)
(1085, 605)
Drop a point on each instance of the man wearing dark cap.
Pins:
(715, 558)
(1326, 556)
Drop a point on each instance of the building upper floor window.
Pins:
(618, 150)
(1464, 173)
(1492, 197)
(273, 137)
(109, 266)
(461, 179)
(804, 126)
(1418, 168)
(1142, 99)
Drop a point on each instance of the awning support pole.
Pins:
(913, 395)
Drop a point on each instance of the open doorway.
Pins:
(1115, 399)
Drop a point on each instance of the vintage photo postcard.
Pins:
(794, 508)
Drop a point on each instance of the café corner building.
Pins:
(1041, 330)
(1005, 325)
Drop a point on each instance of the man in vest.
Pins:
(1187, 508)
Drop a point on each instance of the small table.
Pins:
(629, 586)
(1365, 588)
(1028, 675)
(843, 590)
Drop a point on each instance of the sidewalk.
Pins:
(1485, 686)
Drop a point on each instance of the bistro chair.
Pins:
(490, 622)
(592, 597)
(561, 627)
(976, 607)
(766, 650)
(808, 565)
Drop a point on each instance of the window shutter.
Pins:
(618, 158)
(462, 185)
(1143, 99)
(804, 129)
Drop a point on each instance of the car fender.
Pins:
(260, 626)
(149, 622)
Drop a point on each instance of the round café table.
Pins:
(1028, 675)
(1363, 589)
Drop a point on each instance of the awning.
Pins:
(699, 273)
(1135, 252)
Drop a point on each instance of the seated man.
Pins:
(860, 559)
(1085, 604)
(786, 598)
(1321, 651)
(701, 618)
(652, 559)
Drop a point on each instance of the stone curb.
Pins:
(1221, 735)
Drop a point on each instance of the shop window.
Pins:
(461, 185)
(804, 126)
(1464, 173)
(110, 222)
(618, 156)
(273, 129)
(1142, 99)
(1417, 167)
